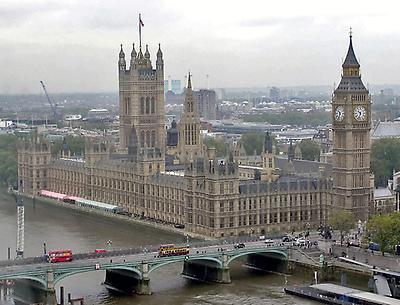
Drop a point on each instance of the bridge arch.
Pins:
(27, 277)
(187, 258)
(74, 272)
(258, 251)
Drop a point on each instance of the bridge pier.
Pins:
(124, 281)
(207, 271)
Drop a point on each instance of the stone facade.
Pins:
(351, 117)
(215, 197)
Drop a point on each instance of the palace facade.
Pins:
(171, 176)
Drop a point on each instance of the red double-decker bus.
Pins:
(59, 256)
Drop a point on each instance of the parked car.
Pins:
(286, 239)
(300, 241)
(239, 246)
(374, 246)
(179, 226)
(269, 241)
(100, 250)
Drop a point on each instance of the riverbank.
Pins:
(123, 218)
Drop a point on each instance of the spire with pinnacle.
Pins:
(351, 60)
(268, 145)
(189, 98)
(121, 62)
(351, 77)
(147, 53)
(160, 61)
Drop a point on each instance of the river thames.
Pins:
(62, 228)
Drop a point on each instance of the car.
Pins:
(269, 241)
(300, 241)
(286, 239)
(239, 246)
(100, 250)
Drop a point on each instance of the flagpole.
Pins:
(140, 34)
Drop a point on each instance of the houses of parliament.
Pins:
(169, 175)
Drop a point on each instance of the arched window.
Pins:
(147, 105)
(148, 138)
(153, 105)
(153, 138)
(142, 139)
(142, 105)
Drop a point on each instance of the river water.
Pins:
(64, 228)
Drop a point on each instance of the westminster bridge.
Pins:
(128, 270)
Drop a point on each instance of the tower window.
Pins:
(153, 138)
(147, 105)
(142, 105)
(153, 105)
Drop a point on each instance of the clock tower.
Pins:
(351, 120)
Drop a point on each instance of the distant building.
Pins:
(5, 123)
(274, 94)
(98, 114)
(206, 104)
(166, 86)
(176, 86)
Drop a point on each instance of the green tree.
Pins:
(8, 159)
(314, 118)
(385, 156)
(309, 150)
(76, 145)
(385, 231)
(221, 147)
(343, 221)
(253, 142)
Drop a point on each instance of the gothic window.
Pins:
(142, 138)
(142, 105)
(148, 138)
(147, 105)
(153, 138)
(153, 105)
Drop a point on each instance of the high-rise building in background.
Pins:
(351, 117)
(274, 94)
(166, 86)
(176, 86)
(206, 104)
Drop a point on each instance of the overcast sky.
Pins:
(73, 45)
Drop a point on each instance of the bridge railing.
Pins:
(136, 250)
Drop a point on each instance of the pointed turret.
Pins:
(121, 61)
(133, 55)
(351, 60)
(291, 151)
(189, 98)
(147, 53)
(268, 145)
(160, 61)
(351, 78)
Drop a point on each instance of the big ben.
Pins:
(351, 120)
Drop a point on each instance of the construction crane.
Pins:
(53, 106)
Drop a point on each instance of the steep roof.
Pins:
(351, 59)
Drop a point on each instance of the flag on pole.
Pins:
(140, 21)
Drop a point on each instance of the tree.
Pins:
(76, 145)
(385, 156)
(384, 230)
(312, 118)
(253, 142)
(221, 147)
(309, 150)
(8, 159)
(343, 221)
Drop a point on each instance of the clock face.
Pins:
(339, 113)
(360, 113)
